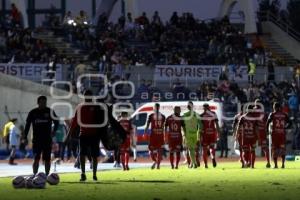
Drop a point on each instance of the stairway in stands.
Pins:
(277, 50)
(63, 47)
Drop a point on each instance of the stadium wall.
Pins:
(19, 96)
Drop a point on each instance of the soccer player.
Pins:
(191, 135)
(41, 119)
(237, 135)
(210, 134)
(262, 131)
(156, 142)
(125, 147)
(248, 125)
(173, 126)
(88, 118)
(279, 121)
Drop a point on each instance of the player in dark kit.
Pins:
(156, 142)
(280, 122)
(90, 118)
(41, 119)
(173, 126)
(237, 135)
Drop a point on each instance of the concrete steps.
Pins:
(278, 51)
(63, 47)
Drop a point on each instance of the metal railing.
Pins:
(283, 25)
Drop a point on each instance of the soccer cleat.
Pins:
(275, 167)
(214, 162)
(206, 166)
(283, 166)
(176, 167)
(127, 167)
(268, 165)
(83, 178)
(153, 165)
(95, 178)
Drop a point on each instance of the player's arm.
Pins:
(55, 121)
(166, 129)
(217, 126)
(269, 120)
(72, 128)
(238, 126)
(148, 124)
(200, 127)
(27, 125)
(234, 126)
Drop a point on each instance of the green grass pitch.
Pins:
(227, 181)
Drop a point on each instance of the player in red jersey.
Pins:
(210, 134)
(280, 122)
(248, 126)
(156, 142)
(262, 131)
(237, 135)
(125, 147)
(173, 126)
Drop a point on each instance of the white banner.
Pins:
(30, 71)
(192, 73)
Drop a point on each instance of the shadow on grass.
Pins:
(146, 181)
(89, 183)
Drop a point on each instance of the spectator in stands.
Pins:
(251, 71)
(15, 15)
(293, 104)
(156, 19)
(82, 18)
(68, 19)
(271, 71)
(51, 67)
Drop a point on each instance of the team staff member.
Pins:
(41, 119)
(88, 118)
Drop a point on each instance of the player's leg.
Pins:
(197, 153)
(267, 156)
(95, 152)
(241, 152)
(283, 152)
(84, 151)
(275, 155)
(127, 155)
(246, 155)
(122, 156)
(204, 154)
(253, 156)
(172, 158)
(159, 157)
(12, 155)
(36, 149)
(213, 154)
(178, 156)
(152, 153)
(47, 157)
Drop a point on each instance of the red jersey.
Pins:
(248, 124)
(157, 123)
(90, 119)
(126, 124)
(279, 120)
(261, 122)
(209, 119)
(175, 124)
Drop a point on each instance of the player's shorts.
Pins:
(156, 141)
(126, 145)
(89, 145)
(175, 143)
(249, 142)
(262, 140)
(209, 139)
(278, 141)
(42, 148)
